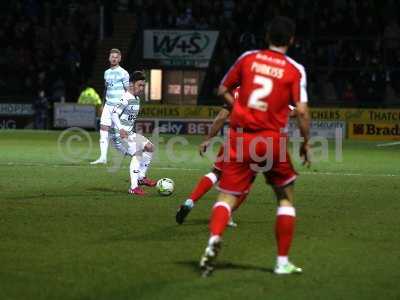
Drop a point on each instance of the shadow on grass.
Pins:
(196, 222)
(164, 234)
(224, 265)
(65, 195)
(44, 196)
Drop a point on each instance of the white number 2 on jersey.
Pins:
(260, 93)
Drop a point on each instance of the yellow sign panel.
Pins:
(179, 111)
(374, 131)
(326, 114)
(353, 114)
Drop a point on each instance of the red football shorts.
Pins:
(219, 161)
(250, 153)
(219, 164)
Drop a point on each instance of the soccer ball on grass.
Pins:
(165, 186)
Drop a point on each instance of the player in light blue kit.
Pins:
(126, 140)
(116, 83)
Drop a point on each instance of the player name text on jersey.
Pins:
(267, 70)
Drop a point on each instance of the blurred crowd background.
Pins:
(350, 48)
(47, 46)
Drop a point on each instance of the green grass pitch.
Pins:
(70, 230)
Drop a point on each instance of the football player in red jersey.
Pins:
(269, 82)
(211, 178)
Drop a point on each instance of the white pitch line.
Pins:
(174, 168)
(388, 144)
(39, 164)
(349, 174)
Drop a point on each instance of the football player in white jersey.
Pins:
(116, 81)
(126, 140)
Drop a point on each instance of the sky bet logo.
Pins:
(180, 45)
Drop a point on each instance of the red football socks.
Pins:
(284, 229)
(221, 213)
(203, 186)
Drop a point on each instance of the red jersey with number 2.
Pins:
(269, 82)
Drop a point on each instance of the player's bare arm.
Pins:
(303, 118)
(216, 126)
(226, 94)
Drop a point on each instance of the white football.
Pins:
(165, 186)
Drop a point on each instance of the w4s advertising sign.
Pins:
(180, 47)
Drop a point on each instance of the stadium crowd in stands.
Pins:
(43, 47)
(351, 48)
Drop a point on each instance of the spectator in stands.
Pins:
(185, 20)
(34, 39)
(201, 23)
(395, 74)
(40, 107)
(247, 41)
(58, 90)
(391, 37)
(349, 96)
(374, 83)
(73, 56)
(35, 36)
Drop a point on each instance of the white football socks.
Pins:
(282, 260)
(144, 164)
(134, 172)
(103, 144)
